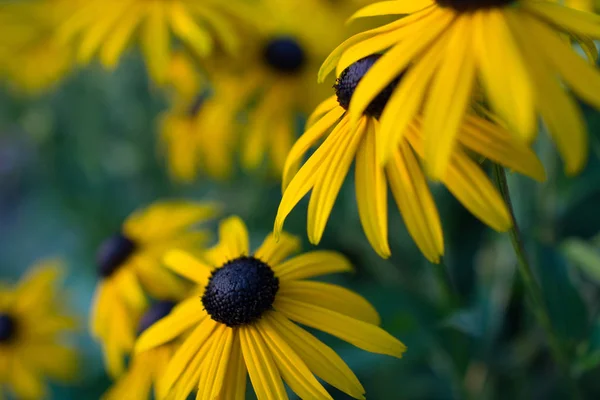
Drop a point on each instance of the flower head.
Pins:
(241, 322)
(509, 51)
(32, 325)
(129, 266)
(325, 171)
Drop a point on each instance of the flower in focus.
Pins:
(30, 57)
(32, 325)
(325, 171)
(129, 265)
(514, 48)
(106, 28)
(145, 368)
(241, 322)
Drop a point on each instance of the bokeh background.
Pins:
(77, 158)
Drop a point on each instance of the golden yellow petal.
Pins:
(311, 264)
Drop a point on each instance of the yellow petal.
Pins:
(371, 192)
(293, 370)
(557, 15)
(504, 73)
(273, 251)
(415, 202)
(155, 41)
(187, 29)
(361, 334)
(323, 108)
(233, 237)
(188, 266)
(311, 264)
(306, 141)
(320, 359)
(449, 97)
(559, 110)
(329, 181)
(235, 389)
(200, 341)
(185, 315)
(263, 371)
(25, 383)
(395, 7)
(307, 175)
(212, 378)
(397, 59)
(496, 143)
(332, 297)
(115, 44)
(96, 34)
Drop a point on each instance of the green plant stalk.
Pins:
(533, 290)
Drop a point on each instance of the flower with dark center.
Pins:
(284, 54)
(240, 292)
(158, 311)
(7, 327)
(473, 5)
(112, 253)
(349, 79)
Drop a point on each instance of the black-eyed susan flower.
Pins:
(33, 323)
(241, 322)
(31, 59)
(145, 368)
(511, 51)
(199, 132)
(129, 266)
(286, 46)
(325, 171)
(107, 27)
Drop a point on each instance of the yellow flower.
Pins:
(32, 325)
(513, 47)
(106, 28)
(147, 367)
(30, 57)
(284, 49)
(242, 322)
(200, 132)
(326, 169)
(129, 265)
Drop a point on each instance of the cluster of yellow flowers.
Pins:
(426, 96)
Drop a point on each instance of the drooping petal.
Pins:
(371, 192)
(235, 389)
(212, 378)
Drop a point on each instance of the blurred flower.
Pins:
(32, 324)
(200, 132)
(145, 368)
(326, 169)
(583, 5)
(129, 264)
(242, 322)
(30, 57)
(107, 27)
(515, 47)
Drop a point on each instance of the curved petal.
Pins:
(274, 250)
(233, 236)
(311, 264)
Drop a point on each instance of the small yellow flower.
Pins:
(129, 265)
(145, 368)
(107, 27)
(326, 169)
(511, 50)
(32, 325)
(241, 322)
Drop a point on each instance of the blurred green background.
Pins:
(76, 161)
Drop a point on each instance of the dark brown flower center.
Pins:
(158, 311)
(8, 327)
(240, 292)
(284, 54)
(113, 252)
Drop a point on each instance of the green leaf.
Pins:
(584, 256)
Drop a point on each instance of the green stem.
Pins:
(534, 292)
